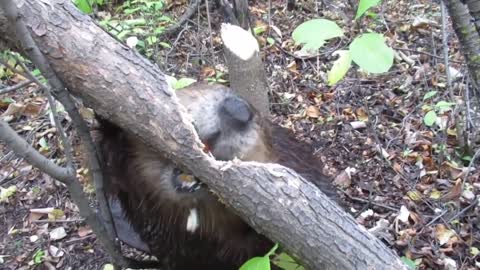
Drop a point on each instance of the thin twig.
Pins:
(58, 221)
(371, 202)
(189, 12)
(210, 32)
(14, 87)
(23, 149)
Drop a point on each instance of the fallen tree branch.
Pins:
(128, 90)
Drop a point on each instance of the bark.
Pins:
(131, 92)
(468, 36)
(246, 72)
(242, 13)
(474, 9)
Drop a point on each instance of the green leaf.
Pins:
(164, 44)
(443, 106)
(284, 261)
(314, 33)
(6, 193)
(151, 40)
(259, 30)
(430, 118)
(183, 82)
(408, 262)
(270, 41)
(256, 263)
(84, 6)
(38, 256)
(171, 81)
(370, 52)
(8, 100)
(364, 5)
(136, 22)
(429, 94)
(43, 143)
(340, 67)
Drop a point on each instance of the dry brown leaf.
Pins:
(343, 180)
(313, 112)
(84, 231)
(207, 72)
(443, 234)
(454, 193)
(361, 114)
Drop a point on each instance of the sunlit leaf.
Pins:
(430, 118)
(429, 94)
(370, 52)
(314, 33)
(257, 263)
(84, 6)
(183, 82)
(364, 5)
(6, 193)
(340, 67)
(38, 256)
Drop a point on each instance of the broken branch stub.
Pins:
(246, 73)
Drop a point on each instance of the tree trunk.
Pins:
(245, 68)
(123, 87)
(468, 36)
(242, 13)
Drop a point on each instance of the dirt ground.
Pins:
(393, 166)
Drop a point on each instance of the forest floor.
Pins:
(406, 180)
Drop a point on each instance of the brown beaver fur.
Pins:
(182, 222)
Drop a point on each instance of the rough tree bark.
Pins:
(240, 7)
(468, 36)
(245, 67)
(131, 92)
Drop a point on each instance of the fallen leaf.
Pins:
(57, 233)
(343, 180)
(84, 231)
(454, 193)
(403, 214)
(55, 252)
(361, 114)
(443, 234)
(313, 112)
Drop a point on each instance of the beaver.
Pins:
(180, 220)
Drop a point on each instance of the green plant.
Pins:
(38, 256)
(367, 50)
(139, 23)
(86, 6)
(440, 107)
(259, 263)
